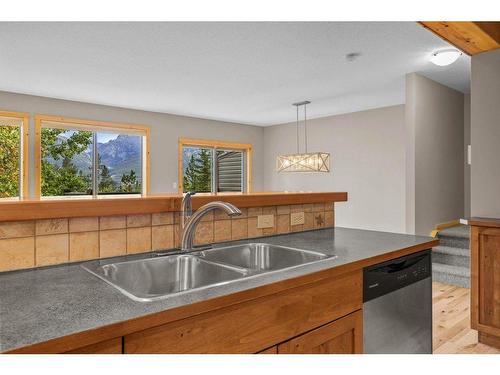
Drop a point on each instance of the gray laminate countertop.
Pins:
(42, 304)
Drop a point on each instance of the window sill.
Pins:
(33, 209)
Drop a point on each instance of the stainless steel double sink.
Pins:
(161, 277)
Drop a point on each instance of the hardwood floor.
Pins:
(452, 332)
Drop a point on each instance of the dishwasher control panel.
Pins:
(394, 274)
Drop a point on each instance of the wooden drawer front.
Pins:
(252, 326)
(343, 336)
(485, 264)
(113, 346)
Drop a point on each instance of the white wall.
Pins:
(435, 144)
(367, 160)
(165, 132)
(485, 134)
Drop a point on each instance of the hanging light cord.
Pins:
(305, 126)
(297, 129)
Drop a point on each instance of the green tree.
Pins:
(205, 171)
(190, 175)
(129, 183)
(9, 161)
(106, 182)
(59, 174)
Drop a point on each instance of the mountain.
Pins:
(121, 155)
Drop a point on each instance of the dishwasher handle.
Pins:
(399, 265)
(389, 276)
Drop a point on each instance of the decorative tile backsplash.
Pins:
(28, 244)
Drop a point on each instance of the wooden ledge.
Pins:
(483, 222)
(33, 209)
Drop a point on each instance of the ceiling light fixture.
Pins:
(307, 161)
(445, 57)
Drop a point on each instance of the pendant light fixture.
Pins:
(307, 161)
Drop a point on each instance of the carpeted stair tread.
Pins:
(452, 270)
(448, 250)
(459, 231)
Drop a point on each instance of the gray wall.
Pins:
(367, 160)
(435, 145)
(165, 132)
(485, 134)
(466, 165)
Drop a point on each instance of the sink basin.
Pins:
(261, 257)
(156, 278)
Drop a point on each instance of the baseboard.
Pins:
(490, 340)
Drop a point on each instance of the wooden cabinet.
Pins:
(271, 350)
(485, 283)
(343, 336)
(113, 346)
(254, 325)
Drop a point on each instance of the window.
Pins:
(90, 158)
(13, 155)
(214, 167)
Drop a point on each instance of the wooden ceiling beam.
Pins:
(469, 37)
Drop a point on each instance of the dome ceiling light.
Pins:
(445, 57)
(307, 161)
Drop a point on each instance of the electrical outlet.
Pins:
(297, 218)
(265, 221)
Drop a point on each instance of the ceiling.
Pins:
(239, 72)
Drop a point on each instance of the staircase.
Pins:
(451, 259)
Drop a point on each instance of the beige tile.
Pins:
(16, 229)
(177, 217)
(283, 224)
(308, 221)
(162, 237)
(177, 235)
(272, 230)
(254, 211)
(282, 210)
(209, 216)
(269, 210)
(296, 208)
(239, 229)
(51, 226)
(163, 218)
(138, 240)
(221, 215)
(253, 231)
(83, 246)
(136, 221)
(329, 219)
(51, 249)
(319, 220)
(112, 243)
(112, 222)
(329, 206)
(318, 207)
(204, 233)
(17, 253)
(222, 230)
(297, 228)
(307, 207)
(83, 224)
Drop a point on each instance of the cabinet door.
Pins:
(485, 279)
(343, 336)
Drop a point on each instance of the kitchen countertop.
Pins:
(42, 304)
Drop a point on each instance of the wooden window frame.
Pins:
(25, 119)
(93, 125)
(246, 147)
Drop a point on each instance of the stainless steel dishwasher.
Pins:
(397, 306)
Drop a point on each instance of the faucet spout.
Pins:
(192, 222)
